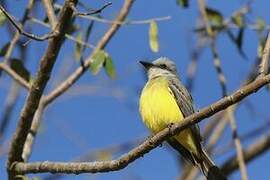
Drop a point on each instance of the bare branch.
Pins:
(14, 75)
(238, 146)
(70, 37)
(145, 147)
(252, 152)
(127, 22)
(50, 13)
(37, 87)
(263, 67)
(21, 31)
(217, 64)
(97, 11)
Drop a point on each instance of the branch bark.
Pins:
(37, 87)
(148, 145)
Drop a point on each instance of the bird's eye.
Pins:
(163, 66)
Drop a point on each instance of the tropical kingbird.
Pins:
(164, 100)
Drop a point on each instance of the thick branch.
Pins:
(149, 144)
(38, 85)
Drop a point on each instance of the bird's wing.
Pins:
(185, 104)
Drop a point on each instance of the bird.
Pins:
(164, 100)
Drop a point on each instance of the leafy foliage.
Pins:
(102, 58)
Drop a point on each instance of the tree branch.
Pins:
(37, 87)
(146, 146)
(102, 43)
(252, 152)
(50, 13)
(263, 67)
(14, 75)
(21, 31)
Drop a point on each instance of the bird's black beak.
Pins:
(146, 65)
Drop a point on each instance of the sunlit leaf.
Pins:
(19, 68)
(78, 46)
(183, 3)
(215, 17)
(3, 18)
(260, 24)
(238, 20)
(97, 61)
(109, 67)
(153, 36)
(4, 49)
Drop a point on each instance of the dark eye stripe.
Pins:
(163, 66)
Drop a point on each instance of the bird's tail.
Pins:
(209, 169)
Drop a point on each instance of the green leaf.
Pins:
(238, 20)
(97, 61)
(260, 24)
(109, 67)
(153, 36)
(239, 42)
(4, 49)
(215, 17)
(183, 3)
(78, 46)
(19, 68)
(261, 48)
(3, 18)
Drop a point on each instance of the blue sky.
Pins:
(106, 113)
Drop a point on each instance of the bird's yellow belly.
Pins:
(158, 109)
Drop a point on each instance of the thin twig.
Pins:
(97, 11)
(50, 13)
(146, 146)
(222, 81)
(247, 136)
(239, 148)
(263, 67)
(14, 75)
(217, 64)
(70, 37)
(14, 88)
(127, 22)
(64, 86)
(22, 32)
(253, 151)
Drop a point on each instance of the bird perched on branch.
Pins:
(164, 100)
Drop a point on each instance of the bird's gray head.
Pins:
(160, 67)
